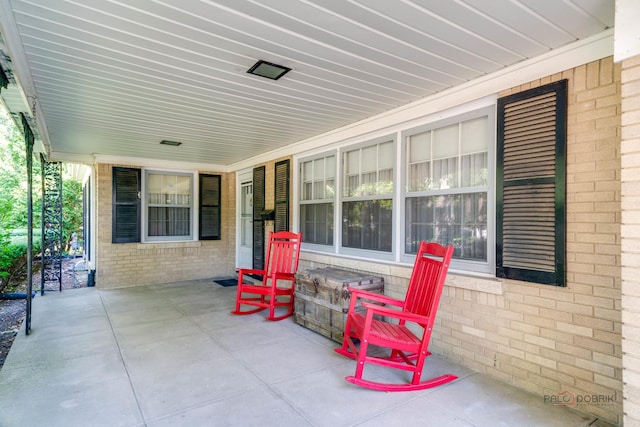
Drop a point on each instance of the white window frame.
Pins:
(342, 198)
(399, 133)
(193, 204)
(487, 266)
(315, 201)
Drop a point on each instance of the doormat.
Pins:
(226, 282)
(229, 281)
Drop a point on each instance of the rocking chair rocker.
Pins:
(382, 326)
(278, 278)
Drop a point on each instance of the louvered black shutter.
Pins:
(125, 205)
(531, 185)
(281, 222)
(210, 207)
(258, 224)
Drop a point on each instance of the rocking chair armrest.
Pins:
(401, 315)
(243, 271)
(279, 275)
(359, 293)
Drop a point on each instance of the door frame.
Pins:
(244, 175)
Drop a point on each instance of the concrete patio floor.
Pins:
(173, 355)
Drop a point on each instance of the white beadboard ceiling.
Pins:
(114, 78)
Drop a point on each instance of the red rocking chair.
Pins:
(385, 327)
(278, 281)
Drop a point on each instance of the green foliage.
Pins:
(12, 260)
(71, 208)
(13, 170)
(19, 236)
(13, 203)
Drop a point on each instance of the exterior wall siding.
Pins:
(545, 339)
(630, 151)
(133, 264)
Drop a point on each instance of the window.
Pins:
(367, 197)
(317, 198)
(170, 208)
(447, 174)
(349, 205)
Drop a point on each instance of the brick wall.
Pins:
(630, 151)
(542, 338)
(547, 339)
(132, 264)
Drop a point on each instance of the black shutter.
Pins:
(125, 205)
(531, 185)
(210, 207)
(281, 185)
(258, 224)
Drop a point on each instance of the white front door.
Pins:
(245, 221)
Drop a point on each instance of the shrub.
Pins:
(13, 260)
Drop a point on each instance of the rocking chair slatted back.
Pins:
(421, 299)
(282, 253)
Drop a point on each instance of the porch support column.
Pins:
(627, 51)
(52, 244)
(28, 139)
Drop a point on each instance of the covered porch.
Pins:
(172, 354)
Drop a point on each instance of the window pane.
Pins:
(420, 147)
(445, 173)
(419, 225)
(419, 158)
(318, 190)
(318, 169)
(419, 176)
(369, 158)
(372, 173)
(385, 178)
(386, 155)
(474, 170)
(474, 135)
(445, 142)
(368, 187)
(330, 189)
(166, 221)
(306, 174)
(367, 225)
(307, 171)
(330, 167)
(352, 162)
(316, 223)
(458, 219)
(351, 184)
(168, 189)
(474, 221)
